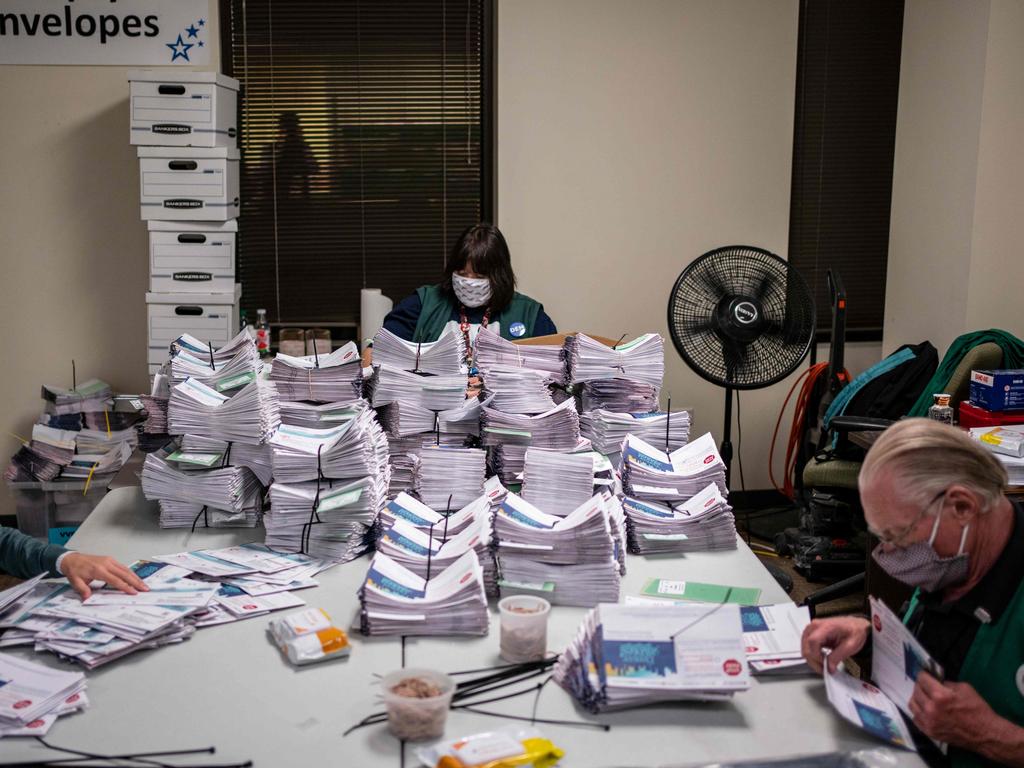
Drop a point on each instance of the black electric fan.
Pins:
(741, 318)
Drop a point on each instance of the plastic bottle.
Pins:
(941, 410)
(262, 333)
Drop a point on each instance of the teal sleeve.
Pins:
(23, 556)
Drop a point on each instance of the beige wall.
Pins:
(72, 246)
(633, 137)
(955, 238)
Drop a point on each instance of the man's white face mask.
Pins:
(471, 291)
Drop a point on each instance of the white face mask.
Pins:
(919, 565)
(471, 291)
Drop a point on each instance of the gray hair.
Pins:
(929, 456)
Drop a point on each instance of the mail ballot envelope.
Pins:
(212, 317)
(192, 256)
(189, 183)
(183, 109)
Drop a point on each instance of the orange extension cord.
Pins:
(809, 378)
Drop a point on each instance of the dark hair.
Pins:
(483, 248)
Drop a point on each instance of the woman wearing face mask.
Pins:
(478, 291)
(935, 500)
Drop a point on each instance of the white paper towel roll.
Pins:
(373, 308)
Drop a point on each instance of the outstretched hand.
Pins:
(81, 569)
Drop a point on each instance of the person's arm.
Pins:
(543, 325)
(956, 714)
(23, 556)
(402, 320)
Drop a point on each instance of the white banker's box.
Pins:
(192, 256)
(208, 316)
(189, 183)
(183, 109)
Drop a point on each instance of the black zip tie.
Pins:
(316, 355)
(430, 551)
(226, 461)
(536, 700)
(74, 376)
(668, 423)
(699, 619)
(437, 427)
(447, 514)
(212, 364)
(206, 523)
(619, 342)
(416, 365)
(541, 662)
(403, 651)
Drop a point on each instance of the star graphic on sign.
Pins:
(202, 22)
(192, 31)
(180, 49)
(201, 43)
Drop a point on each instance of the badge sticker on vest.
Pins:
(1020, 679)
(517, 329)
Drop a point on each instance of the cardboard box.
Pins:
(208, 316)
(998, 390)
(183, 109)
(192, 256)
(189, 183)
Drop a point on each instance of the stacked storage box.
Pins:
(186, 132)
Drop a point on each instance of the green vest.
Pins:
(437, 311)
(995, 667)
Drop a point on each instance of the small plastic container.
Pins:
(414, 716)
(524, 628)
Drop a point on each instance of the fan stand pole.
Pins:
(726, 448)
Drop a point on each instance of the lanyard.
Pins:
(464, 327)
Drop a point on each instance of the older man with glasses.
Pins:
(935, 500)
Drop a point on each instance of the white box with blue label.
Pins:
(998, 390)
(192, 256)
(183, 109)
(189, 183)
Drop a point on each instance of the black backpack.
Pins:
(891, 394)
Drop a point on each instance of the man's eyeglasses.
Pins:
(896, 539)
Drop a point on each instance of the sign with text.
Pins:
(119, 32)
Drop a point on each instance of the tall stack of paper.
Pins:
(331, 520)
(324, 378)
(92, 395)
(225, 369)
(447, 355)
(568, 561)
(620, 395)
(257, 458)
(455, 472)
(702, 523)
(34, 696)
(249, 416)
(395, 601)
(469, 526)
(508, 435)
(518, 390)
(405, 473)
(493, 351)
(354, 448)
(607, 429)
(559, 482)
(435, 393)
(632, 655)
(194, 490)
(642, 359)
(303, 414)
(649, 474)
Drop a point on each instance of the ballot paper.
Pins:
(1014, 468)
(642, 359)
(29, 691)
(103, 441)
(331, 521)
(248, 416)
(92, 395)
(187, 343)
(256, 458)
(318, 415)
(649, 474)
(404, 419)
(228, 368)
(395, 601)
(404, 508)
(96, 465)
(451, 472)
(447, 355)
(867, 707)
(702, 523)
(633, 655)
(230, 496)
(337, 376)
(354, 448)
(772, 635)
(435, 393)
(12, 594)
(570, 561)
(405, 473)
(491, 350)
(559, 482)
(519, 390)
(429, 552)
(619, 395)
(27, 465)
(607, 429)
(897, 657)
